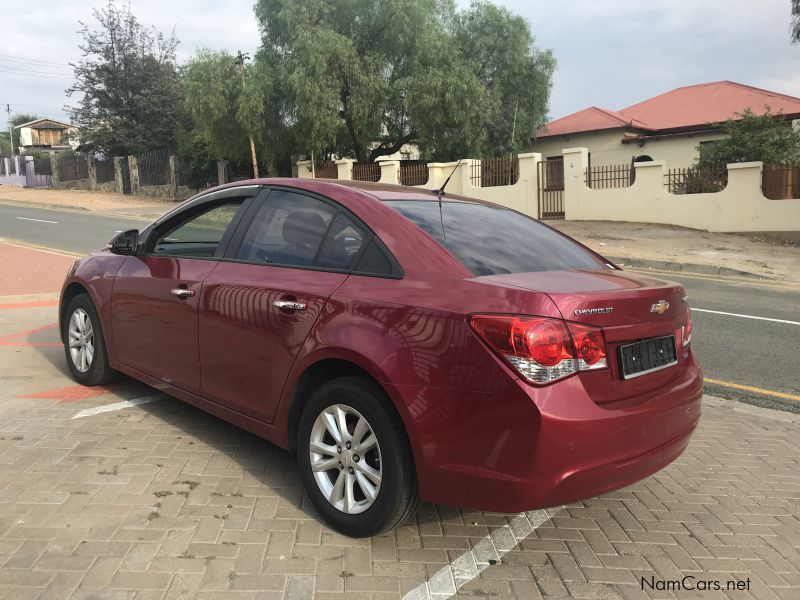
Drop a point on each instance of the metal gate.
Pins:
(551, 188)
(126, 175)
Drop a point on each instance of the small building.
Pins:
(45, 134)
(673, 126)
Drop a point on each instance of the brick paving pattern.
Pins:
(164, 501)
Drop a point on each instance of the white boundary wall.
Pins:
(740, 207)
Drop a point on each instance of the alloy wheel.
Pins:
(81, 340)
(345, 459)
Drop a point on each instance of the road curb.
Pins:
(688, 268)
(777, 411)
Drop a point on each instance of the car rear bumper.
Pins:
(528, 447)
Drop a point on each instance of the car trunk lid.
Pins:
(629, 307)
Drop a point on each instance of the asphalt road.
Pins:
(68, 230)
(762, 353)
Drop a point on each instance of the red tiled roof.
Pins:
(588, 119)
(682, 108)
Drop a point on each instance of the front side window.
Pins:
(491, 240)
(201, 235)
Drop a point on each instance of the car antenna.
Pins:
(440, 192)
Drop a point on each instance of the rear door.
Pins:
(291, 253)
(156, 294)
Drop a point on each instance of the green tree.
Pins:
(130, 86)
(5, 141)
(769, 138)
(364, 77)
(515, 76)
(213, 93)
(794, 28)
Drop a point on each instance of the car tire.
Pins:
(88, 360)
(359, 507)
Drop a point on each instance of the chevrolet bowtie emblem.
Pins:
(660, 307)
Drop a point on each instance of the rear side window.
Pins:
(288, 229)
(491, 240)
(342, 245)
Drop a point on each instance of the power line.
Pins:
(23, 74)
(33, 60)
(26, 70)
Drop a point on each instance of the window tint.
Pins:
(374, 261)
(199, 236)
(491, 240)
(287, 230)
(343, 244)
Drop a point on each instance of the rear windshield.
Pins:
(491, 240)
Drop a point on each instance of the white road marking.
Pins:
(446, 582)
(729, 314)
(37, 220)
(90, 412)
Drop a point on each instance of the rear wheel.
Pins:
(85, 344)
(355, 459)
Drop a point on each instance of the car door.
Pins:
(261, 302)
(156, 292)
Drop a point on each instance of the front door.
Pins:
(261, 303)
(156, 294)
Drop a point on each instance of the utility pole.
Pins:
(240, 58)
(10, 128)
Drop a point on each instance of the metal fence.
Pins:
(243, 171)
(604, 177)
(367, 171)
(197, 176)
(154, 167)
(326, 169)
(781, 182)
(413, 173)
(695, 180)
(495, 171)
(104, 170)
(72, 167)
(39, 172)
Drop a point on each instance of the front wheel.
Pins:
(84, 343)
(354, 458)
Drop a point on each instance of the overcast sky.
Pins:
(610, 53)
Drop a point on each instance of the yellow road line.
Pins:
(40, 247)
(750, 388)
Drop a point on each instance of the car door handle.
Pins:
(182, 293)
(289, 305)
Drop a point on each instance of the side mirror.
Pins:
(125, 242)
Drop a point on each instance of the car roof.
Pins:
(381, 191)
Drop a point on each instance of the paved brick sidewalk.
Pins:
(160, 500)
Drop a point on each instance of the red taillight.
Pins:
(542, 339)
(542, 349)
(590, 347)
(687, 329)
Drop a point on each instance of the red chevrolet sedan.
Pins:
(404, 344)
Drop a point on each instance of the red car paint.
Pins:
(481, 436)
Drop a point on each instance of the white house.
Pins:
(46, 134)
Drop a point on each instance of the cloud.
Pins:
(611, 53)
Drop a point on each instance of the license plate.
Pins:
(646, 356)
